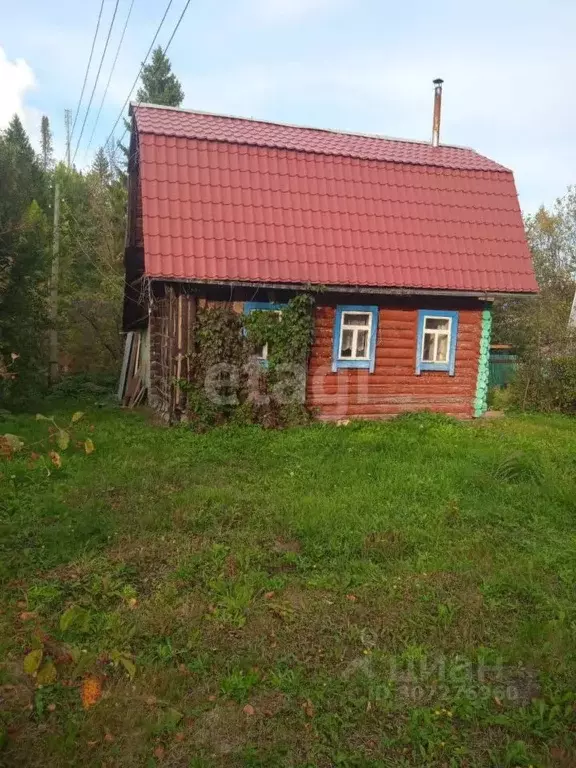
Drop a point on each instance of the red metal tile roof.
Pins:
(227, 199)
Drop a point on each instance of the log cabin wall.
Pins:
(394, 386)
(171, 329)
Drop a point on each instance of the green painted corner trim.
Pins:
(481, 399)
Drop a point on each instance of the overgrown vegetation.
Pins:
(91, 275)
(394, 594)
(91, 270)
(228, 383)
(539, 328)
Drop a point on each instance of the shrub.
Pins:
(546, 384)
(500, 398)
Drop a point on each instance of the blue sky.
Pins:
(361, 65)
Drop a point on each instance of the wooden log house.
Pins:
(405, 244)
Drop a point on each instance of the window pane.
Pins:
(442, 349)
(362, 344)
(437, 323)
(346, 348)
(350, 318)
(428, 351)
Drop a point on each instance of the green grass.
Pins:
(393, 594)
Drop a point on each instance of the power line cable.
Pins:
(165, 50)
(110, 76)
(176, 27)
(139, 71)
(96, 80)
(87, 69)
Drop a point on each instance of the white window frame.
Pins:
(436, 332)
(355, 329)
(447, 365)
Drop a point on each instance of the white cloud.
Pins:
(16, 78)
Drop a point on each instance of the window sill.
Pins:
(366, 364)
(441, 367)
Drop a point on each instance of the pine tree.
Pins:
(28, 182)
(101, 167)
(46, 144)
(159, 84)
(23, 260)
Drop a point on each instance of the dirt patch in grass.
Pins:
(282, 546)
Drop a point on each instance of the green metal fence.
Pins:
(502, 368)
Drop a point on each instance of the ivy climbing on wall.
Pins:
(289, 336)
(224, 362)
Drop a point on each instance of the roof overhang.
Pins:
(374, 290)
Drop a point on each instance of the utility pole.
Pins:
(67, 122)
(54, 367)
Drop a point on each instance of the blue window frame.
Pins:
(355, 331)
(436, 343)
(262, 306)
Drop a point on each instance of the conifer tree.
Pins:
(159, 84)
(46, 144)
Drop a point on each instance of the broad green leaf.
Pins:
(63, 440)
(36, 643)
(41, 417)
(77, 617)
(169, 720)
(77, 416)
(32, 661)
(47, 673)
(75, 652)
(14, 442)
(128, 665)
(88, 446)
(85, 662)
(67, 618)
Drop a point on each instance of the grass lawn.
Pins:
(394, 594)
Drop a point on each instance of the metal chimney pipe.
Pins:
(437, 111)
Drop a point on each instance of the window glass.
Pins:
(355, 318)
(437, 323)
(347, 341)
(362, 344)
(442, 348)
(428, 352)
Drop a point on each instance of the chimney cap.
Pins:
(438, 81)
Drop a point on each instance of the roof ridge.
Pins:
(336, 131)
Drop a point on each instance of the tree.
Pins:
(101, 166)
(46, 144)
(28, 179)
(24, 261)
(159, 84)
(91, 257)
(539, 326)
